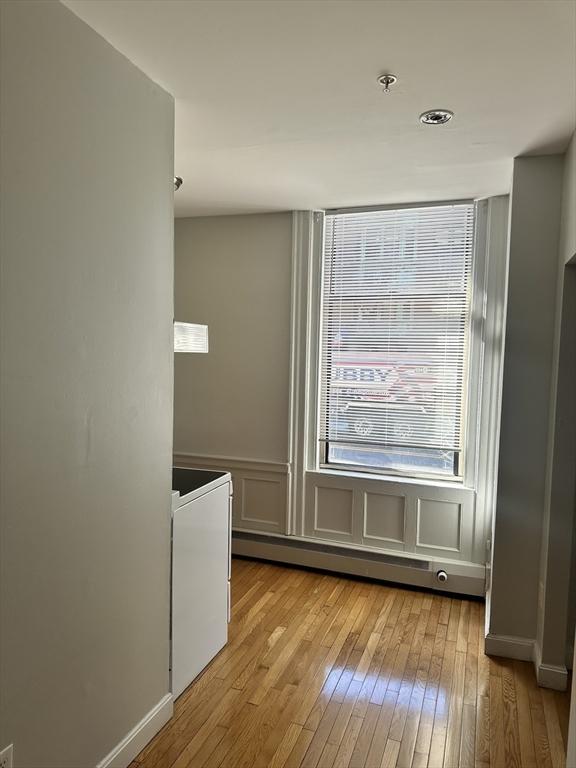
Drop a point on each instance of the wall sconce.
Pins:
(190, 337)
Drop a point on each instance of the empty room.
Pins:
(288, 383)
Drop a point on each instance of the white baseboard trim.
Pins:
(553, 676)
(525, 649)
(135, 741)
(509, 647)
(467, 579)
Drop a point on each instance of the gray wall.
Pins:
(556, 614)
(233, 273)
(568, 253)
(555, 617)
(530, 329)
(568, 233)
(87, 143)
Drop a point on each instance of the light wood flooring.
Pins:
(333, 672)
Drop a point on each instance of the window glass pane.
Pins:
(406, 460)
(395, 324)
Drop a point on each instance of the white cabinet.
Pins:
(200, 582)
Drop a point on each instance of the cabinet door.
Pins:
(199, 585)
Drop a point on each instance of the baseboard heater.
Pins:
(446, 576)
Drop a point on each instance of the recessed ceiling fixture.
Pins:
(436, 116)
(386, 80)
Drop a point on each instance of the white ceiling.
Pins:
(277, 105)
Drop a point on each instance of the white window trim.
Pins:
(488, 317)
(474, 354)
(496, 211)
(307, 227)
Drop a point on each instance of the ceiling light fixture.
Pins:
(436, 116)
(386, 80)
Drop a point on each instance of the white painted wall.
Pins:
(530, 328)
(87, 206)
(555, 615)
(233, 273)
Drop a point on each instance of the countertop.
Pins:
(189, 484)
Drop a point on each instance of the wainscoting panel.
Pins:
(334, 511)
(384, 520)
(433, 520)
(331, 511)
(439, 524)
(260, 501)
(445, 523)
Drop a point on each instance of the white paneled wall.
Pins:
(384, 519)
(260, 490)
(432, 520)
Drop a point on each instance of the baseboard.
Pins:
(553, 676)
(464, 578)
(525, 649)
(509, 647)
(135, 741)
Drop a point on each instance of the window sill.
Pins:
(391, 478)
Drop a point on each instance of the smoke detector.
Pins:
(436, 116)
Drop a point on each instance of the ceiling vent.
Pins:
(436, 116)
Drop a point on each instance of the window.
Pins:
(394, 345)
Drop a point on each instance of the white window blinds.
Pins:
(395, 324)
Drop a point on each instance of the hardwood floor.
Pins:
(328, 672)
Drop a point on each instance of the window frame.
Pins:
(317, 448)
